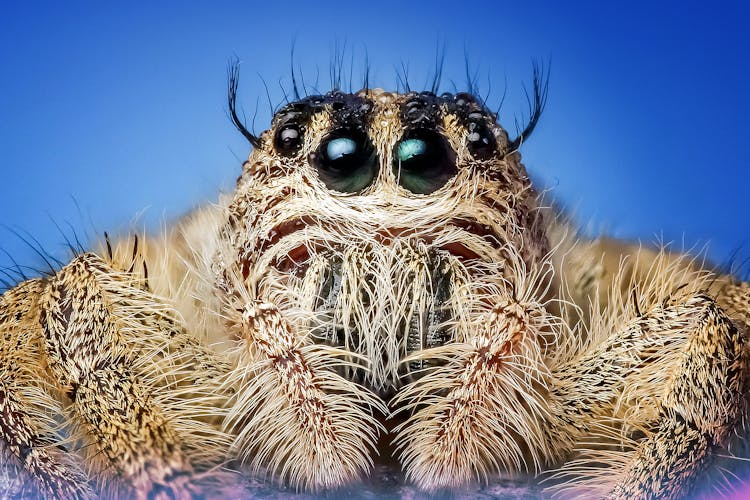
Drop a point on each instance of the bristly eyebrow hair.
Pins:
(233, 77)
(417, 112)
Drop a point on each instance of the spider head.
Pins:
(384, 222)
(413, 145)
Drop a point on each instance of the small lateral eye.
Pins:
(481, 141)
(288, 139)
(345, 161)
(423, 161)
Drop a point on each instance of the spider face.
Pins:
(382, 222)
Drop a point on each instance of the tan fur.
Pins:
(188, 362)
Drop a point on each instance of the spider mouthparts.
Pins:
(382, 316)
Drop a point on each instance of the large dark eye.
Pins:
(288, 139)
(423, 161)
(345, 161)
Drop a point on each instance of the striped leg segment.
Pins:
(131, 436)
(478, 415)
(674, 373)
(294, 417)
(33, 460)
(702, 404)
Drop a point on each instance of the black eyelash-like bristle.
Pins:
(16, 268)
(74, 246)
(536, 97)
(536, 102)
(284, 92)
(402, 77)
(336, 69)
(295, 88)
(471, 79)
(52, 262)
(17, 273)
(735, 266)
(366, 72)
(234, 81)
(439, 63)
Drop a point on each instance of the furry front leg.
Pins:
(32, 464)
(703, 401)
(293, 416)
(88, 355)
(672, 367)
(482, 413)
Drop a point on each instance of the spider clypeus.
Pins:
(384, 291)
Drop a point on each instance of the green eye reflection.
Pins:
(410, 148)
(423, 161)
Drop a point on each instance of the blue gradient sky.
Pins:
(108, 113)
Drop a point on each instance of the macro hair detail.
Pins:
(385, 290)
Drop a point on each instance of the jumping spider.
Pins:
(385, 288)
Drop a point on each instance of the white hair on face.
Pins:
(389, 290)
(383, 258)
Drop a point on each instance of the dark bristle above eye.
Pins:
(233, 84)
(536, 101)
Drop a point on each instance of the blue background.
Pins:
(108, 113)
